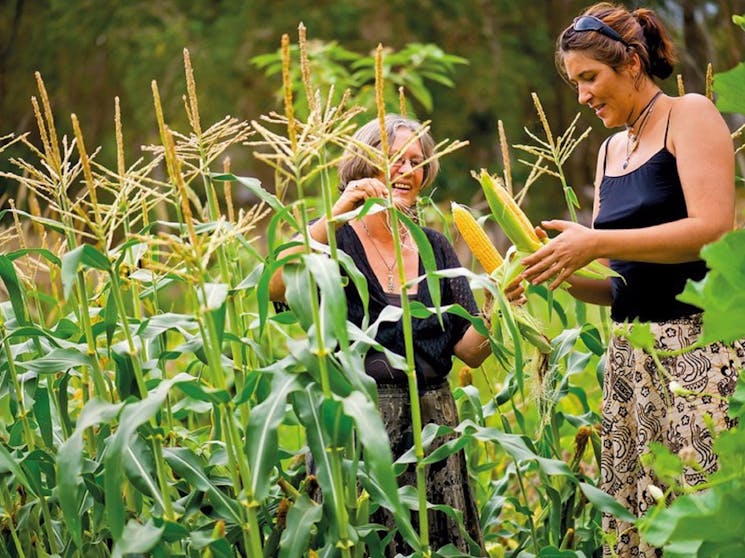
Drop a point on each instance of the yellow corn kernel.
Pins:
(476, 238)
(508, 214)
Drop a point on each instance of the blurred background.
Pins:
(89, 51)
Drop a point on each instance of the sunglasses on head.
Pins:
(592, 23)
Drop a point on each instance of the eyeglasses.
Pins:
(592, 23)
(414, 162)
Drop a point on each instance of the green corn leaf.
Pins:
(214, 295)
(188, 465)
(85, 255)
(160, 323)
(133, 416)
(378, 457)
(262, 439)
(58, 360)
(110, 317)
(43, 415)
(297, 293)
(325, 272)
(427, 257)
(15, 290)
(606, 503)
(137, 538)
(48, 223)
(253, 185)
(139, 467)
(8, 463)
(70, 464)
(307, 406)
(301, 519)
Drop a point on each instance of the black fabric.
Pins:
(433, 344)
(647, 196)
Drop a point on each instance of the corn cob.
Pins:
(477, 240)
(508, 214)
(520, 230)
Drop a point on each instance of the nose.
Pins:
(583, 94)
(404, 162)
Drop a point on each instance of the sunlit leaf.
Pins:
(301, 518)
(70, 463)
(728, 87)
(606, 503)
(84, 255)
(188, 465)
(137, 538)
(262, 439)
(720, 294)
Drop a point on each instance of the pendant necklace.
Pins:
(385, 263)
(632, 139)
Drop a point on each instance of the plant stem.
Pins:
(534, 534)
(17, 388)
(156, 441)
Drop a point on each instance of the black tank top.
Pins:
(647, 196)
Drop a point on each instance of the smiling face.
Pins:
(610, 93)
(406, 180)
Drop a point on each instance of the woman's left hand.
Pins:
(571, 250)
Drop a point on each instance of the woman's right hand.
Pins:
(356, 192)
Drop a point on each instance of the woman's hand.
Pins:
(515, 292)
(357, 192)
(571, 250)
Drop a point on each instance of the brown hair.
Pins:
(359, 162)
(641, 29)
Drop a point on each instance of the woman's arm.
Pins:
(472, 348)
(703, 148)
(354, 195)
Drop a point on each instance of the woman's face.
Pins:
(608, 92)
(406, 184)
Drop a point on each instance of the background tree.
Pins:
(88, 53)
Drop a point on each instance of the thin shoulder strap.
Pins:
(667, 127)
(605, 152)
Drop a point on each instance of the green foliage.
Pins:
(728, 87)
(720, 294)
(336, 70)
(151, 403)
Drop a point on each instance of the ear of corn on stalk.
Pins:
(508, 214)
(520, 230)
(478, 242)
(490, 259)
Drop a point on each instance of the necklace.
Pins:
(632, 139)
(389, 267)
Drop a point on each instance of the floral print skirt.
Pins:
(639, 408)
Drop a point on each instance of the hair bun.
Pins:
(659, 46)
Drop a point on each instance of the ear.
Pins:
(634, 65)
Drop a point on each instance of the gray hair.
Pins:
(359, 162)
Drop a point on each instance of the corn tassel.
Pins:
(476, 239)
(508, 214)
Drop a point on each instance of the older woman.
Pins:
(369, 241)
(664, 188)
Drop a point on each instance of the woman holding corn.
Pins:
(664, 188)
(369, 241)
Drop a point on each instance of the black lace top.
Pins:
(433, 344)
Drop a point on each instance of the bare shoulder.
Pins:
(696, 114)
(694, 105)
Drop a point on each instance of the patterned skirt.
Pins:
(446, 480)
(639, 408)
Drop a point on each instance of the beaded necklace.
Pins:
(632, 139)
